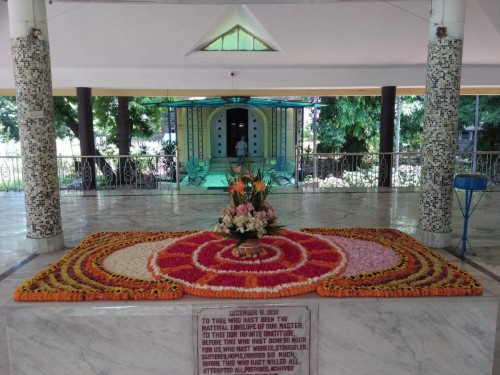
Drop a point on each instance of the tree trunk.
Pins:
(123, 126)
(103, 165)
(86, 134)
(124, 132)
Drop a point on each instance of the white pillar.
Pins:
(25, 15)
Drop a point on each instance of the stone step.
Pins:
(222, 164)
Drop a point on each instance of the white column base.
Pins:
(45, 245)
(434, 239)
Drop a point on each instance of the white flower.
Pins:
(244, 219)
(227, 220)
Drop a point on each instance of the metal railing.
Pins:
(79, 173)
(336, 170)
(341, 170)
(11, 176)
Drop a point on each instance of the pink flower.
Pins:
(244, 208)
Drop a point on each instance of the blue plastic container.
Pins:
(470, 182)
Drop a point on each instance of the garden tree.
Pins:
(489, 117)
(8, 118)
(66, 117)
(111, 120)
(124, 135)
(349, 123)
(124, 126)
(142, 121)
(412, 122)
(123, 117)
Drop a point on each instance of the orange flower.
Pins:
(237, 169)
(259, 186)
(238, 187)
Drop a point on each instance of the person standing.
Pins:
(241, 150)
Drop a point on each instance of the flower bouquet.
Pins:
(249, 217)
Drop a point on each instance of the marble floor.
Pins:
(171, 210)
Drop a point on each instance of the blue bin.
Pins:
(471, 182)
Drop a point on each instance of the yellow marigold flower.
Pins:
(259, 186)
(238, 187)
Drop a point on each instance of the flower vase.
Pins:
(251, 248)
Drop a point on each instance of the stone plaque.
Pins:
(36, 114)
(261, 340)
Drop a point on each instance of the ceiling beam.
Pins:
(367, 91)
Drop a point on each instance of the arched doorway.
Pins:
(229, 125)
(236, 127)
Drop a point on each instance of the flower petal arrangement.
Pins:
(416, 272)
(80, 275)
(203, 263)
(248, 216)
(334, 262)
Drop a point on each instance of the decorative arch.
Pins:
(219, 137)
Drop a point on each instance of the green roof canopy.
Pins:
(236, 100)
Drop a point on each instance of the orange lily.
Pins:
(259, 186)
(238, 187)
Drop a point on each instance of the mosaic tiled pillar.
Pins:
(35, 108)
(442, 95)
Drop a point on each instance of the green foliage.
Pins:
(489, 138)
(411, 122)
(65, 109)
(489, 119)
(308, 131)
(330, 137)
(144, 120)
(143, 149)
(466, 111)
(168, 147)
(8, 118)
(349, 124)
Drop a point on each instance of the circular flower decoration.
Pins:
(336, 262)
(204, 265)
